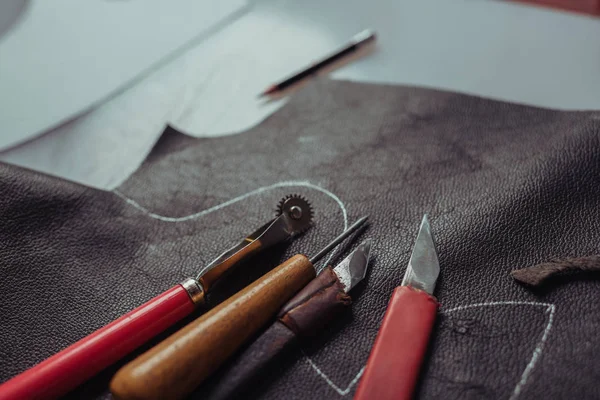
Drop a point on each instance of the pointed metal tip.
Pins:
(425, 225)
(338, 239)
(423, 267)
(366, 247)
(353, 268)
(362, 220)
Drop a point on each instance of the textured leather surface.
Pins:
(505, 186)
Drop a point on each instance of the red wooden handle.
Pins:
(396, 357)
(67, 369)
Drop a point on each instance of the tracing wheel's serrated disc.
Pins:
(298, 209)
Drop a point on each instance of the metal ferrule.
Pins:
(194, 290)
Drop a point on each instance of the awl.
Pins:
(176, 366)
(393, 367)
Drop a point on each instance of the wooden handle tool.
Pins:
(175, 367)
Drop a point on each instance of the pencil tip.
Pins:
(268, 91)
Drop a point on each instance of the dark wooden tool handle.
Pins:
(179, 364)
(303, 316)
(396, 357)
(237, 377)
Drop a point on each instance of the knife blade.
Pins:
(353, 268)
(424, 266)
(393, 366)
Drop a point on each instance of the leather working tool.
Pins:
(512, 185)
(393, 367)
(303, 317)
(176, 366)
(67, 369)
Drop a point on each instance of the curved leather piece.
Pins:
(505, 186)
(314, 306)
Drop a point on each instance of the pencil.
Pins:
(357, 42)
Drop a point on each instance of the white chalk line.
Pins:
(537, 352)
(335, 387)
(255, 192)
(228, 203)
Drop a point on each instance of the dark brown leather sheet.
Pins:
(505, 186)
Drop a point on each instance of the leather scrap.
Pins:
(540, 273)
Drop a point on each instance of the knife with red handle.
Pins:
(62, 372)
(396, 358)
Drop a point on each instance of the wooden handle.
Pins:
(175, 367)
(396, 357)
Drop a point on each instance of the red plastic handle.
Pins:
(64, 371)
(396, 357)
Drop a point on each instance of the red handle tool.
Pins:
(64, 371)
(393, 367)
(395, 361)
(67, 369)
